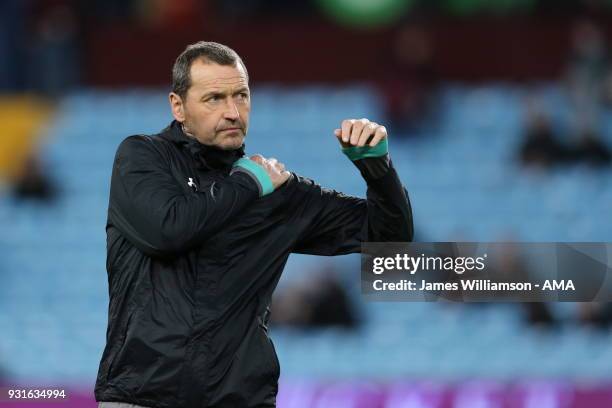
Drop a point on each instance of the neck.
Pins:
(185, 131)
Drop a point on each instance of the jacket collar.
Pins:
(208, 157)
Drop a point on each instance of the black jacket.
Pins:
(194, 253)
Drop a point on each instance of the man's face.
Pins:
(217, 105)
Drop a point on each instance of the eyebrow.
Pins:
(211, 93)
(221, 93)
(242, 89)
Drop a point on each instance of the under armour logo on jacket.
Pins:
(192, 184)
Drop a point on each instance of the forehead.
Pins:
(207, 76)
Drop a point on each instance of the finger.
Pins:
(380, 134)
(366, 133)
(347, 125)
(343, 144)
(281, 178)
(266, 165)
(357, 129)
(278, 166)
(259, 160)
(269, 168)
(375, 140)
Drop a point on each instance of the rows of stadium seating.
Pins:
(464, 184)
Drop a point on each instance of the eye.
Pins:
(214, 98)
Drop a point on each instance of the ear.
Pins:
(176, 105)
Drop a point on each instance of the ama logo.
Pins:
(558, 285)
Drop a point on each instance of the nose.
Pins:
(231, 112)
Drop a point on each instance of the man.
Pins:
(198, 235)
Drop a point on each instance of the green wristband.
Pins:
(258, 173)
(356, 153)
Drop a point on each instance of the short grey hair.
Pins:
(210, 52)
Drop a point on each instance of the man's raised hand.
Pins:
(274, 168)
(360, 132)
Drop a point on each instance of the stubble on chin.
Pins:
(234, 144)
(231, 142)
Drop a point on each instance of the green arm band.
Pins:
(356, 153)
(257, 173)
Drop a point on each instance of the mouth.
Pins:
(230, 129)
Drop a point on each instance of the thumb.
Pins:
(337, 132)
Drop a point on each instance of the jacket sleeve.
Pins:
(158, 215)
(337, 224)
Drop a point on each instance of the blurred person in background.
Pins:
(321, 301)
(33, 183)
(508, 263)
(198, 235)
(591, 150)
(541, 146)
(587, 70)
(596, 314)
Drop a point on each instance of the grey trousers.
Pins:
(118, 405)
